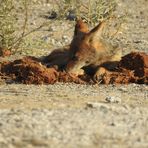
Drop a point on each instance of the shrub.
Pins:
(91, 10)
(7, 23)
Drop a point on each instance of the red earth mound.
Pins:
(138, 62)
(133, 68)
(30, 71)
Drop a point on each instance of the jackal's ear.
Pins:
(80, 27)
(97, 31)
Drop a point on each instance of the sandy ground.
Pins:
(79, 116)
(70, 115)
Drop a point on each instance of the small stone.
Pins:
(52, 28)
(46, 38)
(64, 37)
(52, 15)
(113, 99)
(66, 40)
(137, 41)
(38, 142)
(71, 15)
(112, 124)
(33, 23)
(102, 107)
(93, 104)
(123, 89)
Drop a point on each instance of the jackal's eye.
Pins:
(87, 62)
(74, 58)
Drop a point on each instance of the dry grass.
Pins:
(92, 11)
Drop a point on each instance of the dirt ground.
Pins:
(73, 115)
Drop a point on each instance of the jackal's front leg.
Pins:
(75, 67)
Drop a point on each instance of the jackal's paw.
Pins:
(77, 72)
(100, 73)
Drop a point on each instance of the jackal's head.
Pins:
(86, 41)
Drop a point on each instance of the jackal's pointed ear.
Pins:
(97, 31)
(80, 27)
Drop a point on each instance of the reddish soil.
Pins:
(133, 68)
(29, 70)
(138, 62)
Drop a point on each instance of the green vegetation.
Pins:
(91, 10)
(7, 23)
(13, 33)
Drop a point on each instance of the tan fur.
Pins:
(58, 57)
(92, 49)
(61, 57)
(87, 48)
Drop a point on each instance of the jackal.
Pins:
(87, 49)
(60, 57)
(92, 50)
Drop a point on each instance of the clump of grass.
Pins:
(12, 34)
(7, 23)
(94, 11)
(100, 10)
(91, 10)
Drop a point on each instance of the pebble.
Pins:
(71, 15)
(123, 89)
(103, 107)
(46, 38)
(64, 37)
(52, 28)
(113, 99)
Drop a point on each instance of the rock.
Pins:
(52, 15)
(113, 99)
(39, 142)
(71, 15)
(103, 107)
(123, 89)
(65, 38)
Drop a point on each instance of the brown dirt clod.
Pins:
(136, 61)
(133, 68)
(29, 71)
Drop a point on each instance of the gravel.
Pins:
(112, 99)
(71, 115)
